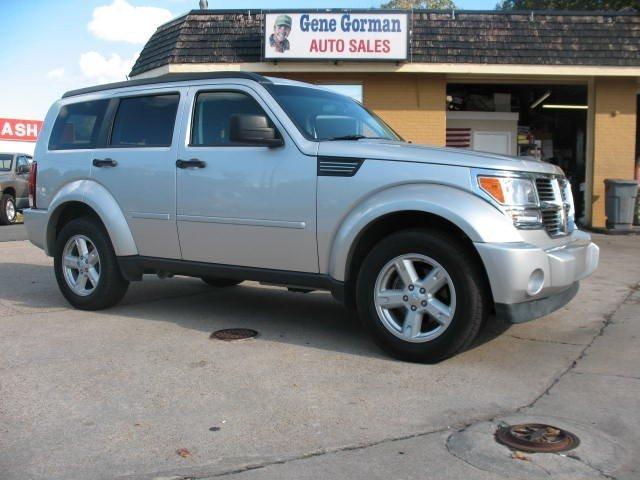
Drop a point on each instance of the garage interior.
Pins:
(548, 122)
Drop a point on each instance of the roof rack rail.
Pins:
(169, 78)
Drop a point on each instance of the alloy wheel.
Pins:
(415, 298)
(81, 265)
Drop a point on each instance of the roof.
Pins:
(479, 37)
(169, 78)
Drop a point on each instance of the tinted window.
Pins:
(5, 162)
(145, 121)
(324, 115)
(212, 116)
(78, 125)
(22, 161)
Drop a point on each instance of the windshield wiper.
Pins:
(355, 137)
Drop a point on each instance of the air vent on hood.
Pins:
(338, 166)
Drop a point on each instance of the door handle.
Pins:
(193, 163)
(106, 162)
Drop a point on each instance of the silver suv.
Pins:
(14, 171)
(234, 176)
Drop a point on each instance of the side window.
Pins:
(22, 161)
(78, 125)
(145, 121)
(212, 116)
(5, 162)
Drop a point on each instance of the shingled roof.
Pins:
(522, 38)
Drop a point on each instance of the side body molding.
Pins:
(480, 221)
(102, 202)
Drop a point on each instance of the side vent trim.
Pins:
(338, 166)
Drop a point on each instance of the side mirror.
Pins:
(253, 129)
(22, 169)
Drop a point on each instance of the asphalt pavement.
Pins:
(10, 233)
(140, 391)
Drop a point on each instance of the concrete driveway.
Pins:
(141, 391)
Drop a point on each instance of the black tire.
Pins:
(472, 299)
(111, 287)
(221, 282)
(5, 200)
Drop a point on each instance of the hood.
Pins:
(409, 152)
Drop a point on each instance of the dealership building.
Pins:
(561, 86)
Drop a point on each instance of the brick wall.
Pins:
(614, 137)
(413, 105)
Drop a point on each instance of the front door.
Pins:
(240, 204)
(137, 166)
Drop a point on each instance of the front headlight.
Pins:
(517, 198)
(516, 192)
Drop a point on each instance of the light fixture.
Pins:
(565, 107)
(542, 98)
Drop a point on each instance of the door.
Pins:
(492, 142)
(243, 205)
(22, 181)
(137, 166)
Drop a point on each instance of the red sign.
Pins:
(20, 130)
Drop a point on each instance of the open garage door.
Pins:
(547, 122)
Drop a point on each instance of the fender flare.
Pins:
(100, 201)
(478, 219)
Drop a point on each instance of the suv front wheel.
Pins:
(86, 266)
(421, 295)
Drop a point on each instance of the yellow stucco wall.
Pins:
(614, 137)
(413, 105)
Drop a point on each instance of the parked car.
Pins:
(234, 176)
(14, 171)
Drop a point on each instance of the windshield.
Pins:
(323, 115)
(5, 162)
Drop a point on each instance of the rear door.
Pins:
(137, 166)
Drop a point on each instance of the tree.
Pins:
(419, 4)
(566, 4)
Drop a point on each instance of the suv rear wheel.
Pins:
(8, 212)
(421, 295)
(86, 266)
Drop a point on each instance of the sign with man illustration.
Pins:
(336, 36)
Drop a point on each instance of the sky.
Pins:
(50, 47)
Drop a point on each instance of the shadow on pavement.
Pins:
(313, 319)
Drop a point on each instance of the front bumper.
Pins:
(518, 296)
(35, 221)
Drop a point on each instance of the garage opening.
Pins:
(547, 122)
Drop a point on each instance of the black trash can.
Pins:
(620, 203)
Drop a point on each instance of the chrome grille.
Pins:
(546, 192)
(555, 205)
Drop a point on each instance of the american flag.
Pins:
(459, 137)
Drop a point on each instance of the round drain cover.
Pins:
(536, 438)
(232, 334)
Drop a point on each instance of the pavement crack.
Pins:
(597, 374)
(555, 342)
(607, 321)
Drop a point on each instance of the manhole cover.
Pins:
(536, 438)
(232, 334)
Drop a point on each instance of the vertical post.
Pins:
(590, 140)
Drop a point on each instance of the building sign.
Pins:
(336, 36)
(20, 130)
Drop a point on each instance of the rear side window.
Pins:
(145, 121)
(78, 125)
(212, 116)
(5, 162)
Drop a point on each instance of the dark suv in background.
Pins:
(14, 185)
